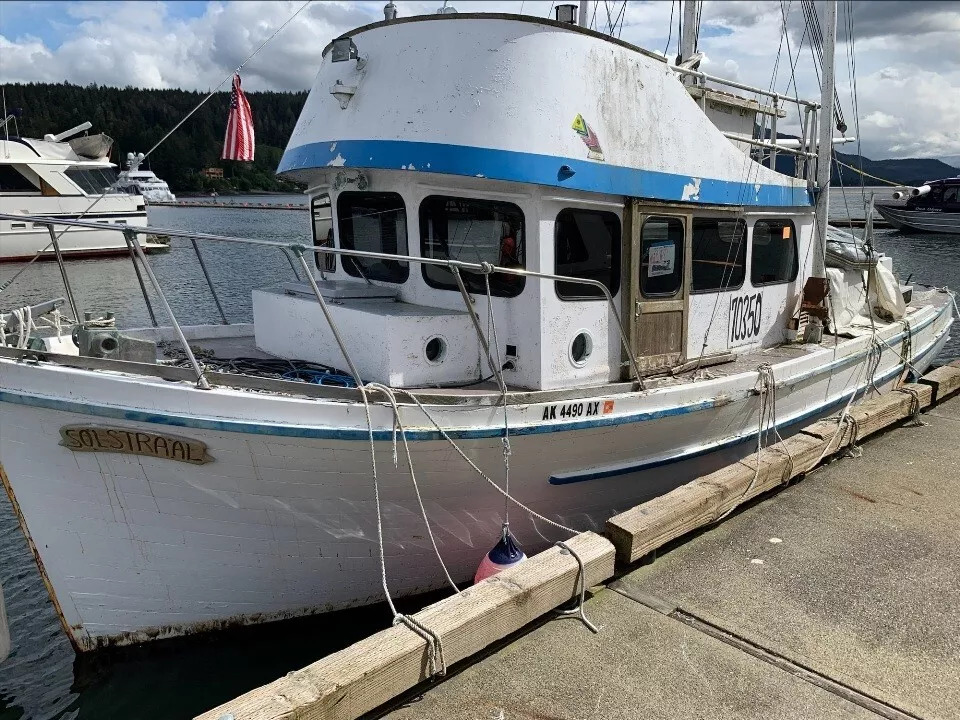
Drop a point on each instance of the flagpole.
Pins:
(235, 72)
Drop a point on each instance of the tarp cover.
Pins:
(851, 306)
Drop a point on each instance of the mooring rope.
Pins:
(391, 397)
(443, 433)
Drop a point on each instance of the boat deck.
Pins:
(217, 346)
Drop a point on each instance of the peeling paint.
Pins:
(691, 191)
(338, 161)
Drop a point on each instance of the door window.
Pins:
(661, 257)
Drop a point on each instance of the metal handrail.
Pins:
(741, 86)
(300, 248)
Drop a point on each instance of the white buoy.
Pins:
(505, 554)
(4, 630)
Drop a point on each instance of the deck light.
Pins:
(344, 49)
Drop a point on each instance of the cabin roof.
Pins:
(569, 27)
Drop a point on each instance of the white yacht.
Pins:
(135, 181)
(68, 177)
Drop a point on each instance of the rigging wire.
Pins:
(666, 48)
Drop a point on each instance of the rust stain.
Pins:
(74, 634)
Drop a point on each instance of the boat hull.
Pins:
(281, 521)
(22, 240)
(920, 221)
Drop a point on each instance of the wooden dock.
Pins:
(835, 597)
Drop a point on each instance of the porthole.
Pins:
(435, 350)
(580, 348)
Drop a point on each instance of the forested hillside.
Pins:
(136, 119)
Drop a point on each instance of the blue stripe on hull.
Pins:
(627, 468)
(282, 430)
(590, 176)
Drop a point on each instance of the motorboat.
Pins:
(544, 286)
(135, 181)
(933, 207)
(65, 176)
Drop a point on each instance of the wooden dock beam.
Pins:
(349, 683)
(646, 527)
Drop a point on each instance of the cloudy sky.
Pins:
(907, 53)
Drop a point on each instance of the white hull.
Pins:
(20, 241)
(282, 522)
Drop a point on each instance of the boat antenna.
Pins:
(228, 77)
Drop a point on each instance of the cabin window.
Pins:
(472, 231)
(773, 258)
(587, 245)
(12, 180)
(373, 222)
(661, 257)
(719, 254)
(94, 181)
(951, 195)
(322, 215)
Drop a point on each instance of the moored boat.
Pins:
(135, 181)
(561, 307)
(933, 207)
(66, 176)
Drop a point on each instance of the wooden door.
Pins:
(657, 273)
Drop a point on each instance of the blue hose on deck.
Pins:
(320, 377)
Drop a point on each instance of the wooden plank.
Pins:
(644, 528)
(365, 675)
(944, 381)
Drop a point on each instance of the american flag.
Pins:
(238, 142)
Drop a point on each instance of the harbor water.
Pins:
(43, 679)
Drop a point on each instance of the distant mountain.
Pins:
(908, 171)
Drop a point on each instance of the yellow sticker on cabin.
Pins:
(91, 438)
(786, 232)
(580, 125)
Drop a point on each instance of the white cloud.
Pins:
(908, 59)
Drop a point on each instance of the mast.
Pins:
(583, 16)
(688, 38)
(825, 147)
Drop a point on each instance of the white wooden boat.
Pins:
(647, 279)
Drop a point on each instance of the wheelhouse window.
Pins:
(322, 215)
(474, 231)
(373, 222)
(12, 180)
(773, 258)
(719, 254)
(94, 181)
(661, 257)
(587, 245)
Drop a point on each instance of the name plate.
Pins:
(92, 438)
